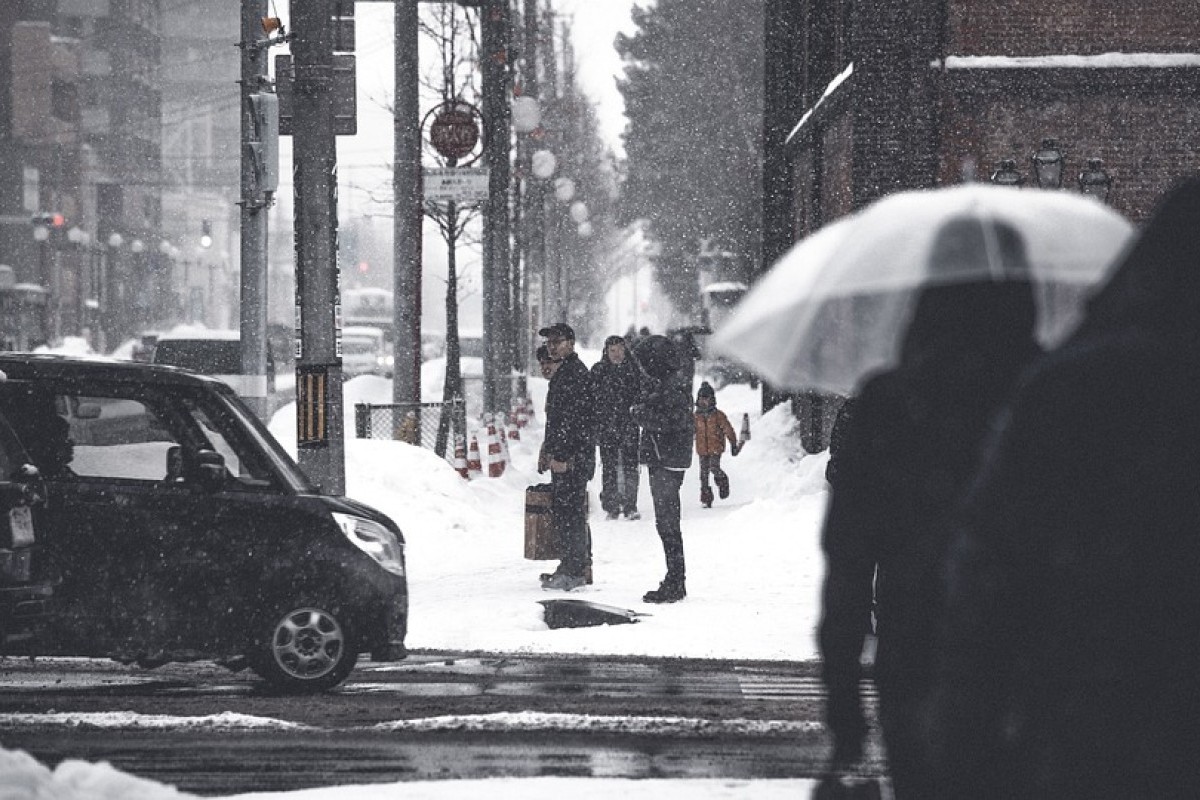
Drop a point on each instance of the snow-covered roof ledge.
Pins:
(829, 90)
(1099, 61)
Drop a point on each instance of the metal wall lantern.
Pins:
(1048, 165)
(1095, 180)
(1006, 174)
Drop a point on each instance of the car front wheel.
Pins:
(304, 648)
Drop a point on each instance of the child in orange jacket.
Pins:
(712, 429)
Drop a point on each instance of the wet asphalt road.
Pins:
(436, 715)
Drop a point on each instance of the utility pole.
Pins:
(533, 224)
(494, 39)
(407, 221)
(259, 180)
(318, 305)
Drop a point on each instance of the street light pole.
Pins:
(408, 218)
(494, 35)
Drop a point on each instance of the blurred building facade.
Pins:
(869, 97)
(119, 122)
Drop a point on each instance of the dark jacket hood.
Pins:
(1157, 282)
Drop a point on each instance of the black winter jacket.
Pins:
(905, 460)
(664, 413)
(1073, 588)
(570, 415)
(617, 389)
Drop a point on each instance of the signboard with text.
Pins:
(457, 184)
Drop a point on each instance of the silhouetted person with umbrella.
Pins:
(1074, 580)
(904, 462)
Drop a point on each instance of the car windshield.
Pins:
(359, 346)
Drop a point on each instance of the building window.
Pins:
(64, 100)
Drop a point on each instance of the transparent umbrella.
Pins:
(835, 307)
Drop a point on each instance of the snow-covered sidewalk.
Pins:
(754, 563)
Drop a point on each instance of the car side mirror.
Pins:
(210, 469)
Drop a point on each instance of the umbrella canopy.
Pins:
(835, 307)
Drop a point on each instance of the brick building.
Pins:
(869, 97)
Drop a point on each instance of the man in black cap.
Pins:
(569, 452)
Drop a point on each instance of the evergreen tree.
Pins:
(693, 95)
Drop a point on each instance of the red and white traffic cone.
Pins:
(514, 429)
(495, 452)
(474, 462)
(745, 436)
(460, 458)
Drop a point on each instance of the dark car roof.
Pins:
(28, 365)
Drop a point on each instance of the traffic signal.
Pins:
(51, 220)
(206, 238)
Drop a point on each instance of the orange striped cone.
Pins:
(745, 437)
(495, 453)
(514, 429)
(460, 458)
(474, 462)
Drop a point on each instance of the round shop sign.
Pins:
(454, 131)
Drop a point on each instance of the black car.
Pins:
(26, 584)
(182, 530)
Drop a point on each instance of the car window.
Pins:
(113, 437)
(242, 460)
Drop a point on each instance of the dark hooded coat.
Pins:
(1074, 578)
(905, 459)
(617, 387)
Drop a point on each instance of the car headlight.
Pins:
(374, 540)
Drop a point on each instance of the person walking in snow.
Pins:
(906, 460)
(712, 429)
(617, 380)
(569, 452)
(1070, 654)
(663, 412)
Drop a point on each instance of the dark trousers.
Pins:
(664, 490)
(711, 464)
(619, 476)
(569, 510)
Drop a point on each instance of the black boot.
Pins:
(671, 590)
(722, 485)
(706, 496)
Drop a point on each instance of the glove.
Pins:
(735, 449)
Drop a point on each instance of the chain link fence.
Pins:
(430, 425)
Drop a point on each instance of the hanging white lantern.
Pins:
(579, 211)
(584, 229)
(544, 163)
(564, 189)
(526, 114)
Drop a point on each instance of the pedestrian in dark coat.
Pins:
(1074, 577)
(905, 460)
(664, 413)
(712, 431)
(617, 380)
(569, 452)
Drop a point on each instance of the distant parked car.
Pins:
(183, 531)
(217, 353)
(364, 351)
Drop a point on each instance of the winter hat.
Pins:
(657, 355)
(706, 390)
